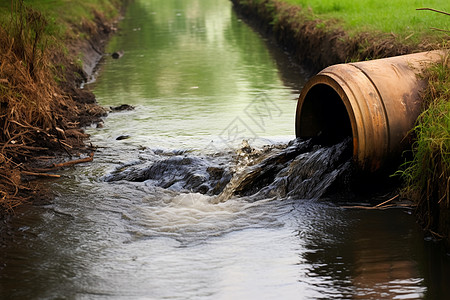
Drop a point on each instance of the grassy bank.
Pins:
(322, 33)
(399, 18)
(427, 176)
(65, 21)
(41, 104)
(325, 32)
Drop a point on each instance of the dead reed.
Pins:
(32, 116)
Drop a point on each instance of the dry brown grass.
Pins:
(33, 108)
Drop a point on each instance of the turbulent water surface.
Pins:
(202, 192)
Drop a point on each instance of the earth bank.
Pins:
(43, 107)
(316, 43)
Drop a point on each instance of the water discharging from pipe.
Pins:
(299, 169)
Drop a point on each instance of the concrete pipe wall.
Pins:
(375, 102)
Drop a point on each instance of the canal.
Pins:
(142, 221)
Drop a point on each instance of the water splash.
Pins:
(299, 169)
(177, 171)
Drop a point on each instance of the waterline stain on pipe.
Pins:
(375, 102)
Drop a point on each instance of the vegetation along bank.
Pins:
(321, 33)
(47, 50)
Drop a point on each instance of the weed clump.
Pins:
(427, 176)
(32, 106)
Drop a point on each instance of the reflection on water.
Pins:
(194, 62)
(202, 81)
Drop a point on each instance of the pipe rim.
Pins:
(324, 79)
(367, 121)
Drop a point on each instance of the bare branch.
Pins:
(435, 10)
(437, 29)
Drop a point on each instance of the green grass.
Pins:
(399, 17)
(62, 15)
(427, 175)
(431, 162)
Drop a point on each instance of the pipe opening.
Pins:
(323, 116)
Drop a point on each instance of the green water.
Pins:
(193, 69)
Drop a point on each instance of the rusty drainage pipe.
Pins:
(375, 102)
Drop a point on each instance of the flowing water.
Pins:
(201, 191)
